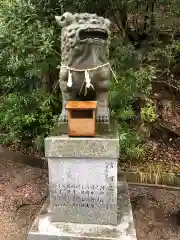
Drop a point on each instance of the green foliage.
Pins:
(26, 116)
(166, 60)
(29, 46)
(148, 112)
(132, 83)
(27, 59)
(48, 7)
(131, 145)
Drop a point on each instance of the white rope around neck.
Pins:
(86, 71)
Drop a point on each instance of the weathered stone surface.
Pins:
(83, 178)
(85, 51)
(83, 190)
(104, 146)
(62, 128)
(45, 229)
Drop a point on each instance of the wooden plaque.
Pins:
(81, 118)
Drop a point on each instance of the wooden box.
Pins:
(81, 118)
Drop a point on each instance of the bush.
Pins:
(133, 83)
(29, 46)
(27, 60)
(26, 116)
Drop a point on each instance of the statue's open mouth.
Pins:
(94, 34)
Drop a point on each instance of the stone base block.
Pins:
(44, 229)
(101, 127)
(83, 178)
(83, 190)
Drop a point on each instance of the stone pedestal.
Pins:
(83, 178)
(84, 200)
(44, 229)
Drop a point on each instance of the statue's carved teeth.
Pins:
(93, 33)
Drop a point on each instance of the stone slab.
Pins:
(105, 146)
(83, 190)
(44, 229)
(62, 128)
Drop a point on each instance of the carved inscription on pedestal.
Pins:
(88, 184)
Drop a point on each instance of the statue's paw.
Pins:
(102, 118)
(63, 117)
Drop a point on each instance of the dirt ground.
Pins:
(23, 190)
(156, 213)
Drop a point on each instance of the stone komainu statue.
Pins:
(85, 71)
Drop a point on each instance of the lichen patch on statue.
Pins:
(84, 69)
